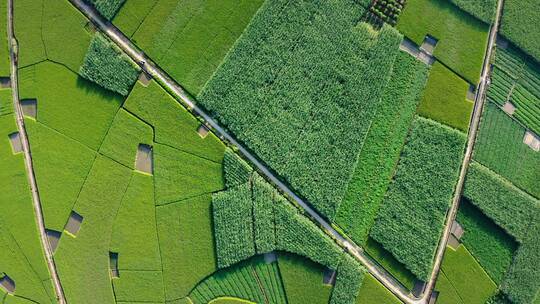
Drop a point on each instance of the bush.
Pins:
(107, 8)
(412, 216)
(381, 148)
(481, 9)
(106, 65)
(350, 275)
(319, 79)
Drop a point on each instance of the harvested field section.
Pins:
(187, 244)
(462, 39)
(189, 39)
(444, 99)
(381, 148)
(173, 125)
(500, 147)
(83, 262)
(308, 131)
(411, 218)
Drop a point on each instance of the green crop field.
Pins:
(516, 79)
(4, 43)
(412, 214)
(107, 8)
(444, 99)
(317, 110)
(481, 9)
(373, 292)
(462, 38)
(500, 147)
(519, 25)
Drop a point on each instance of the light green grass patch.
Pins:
(132, 14)
(228, 300)
(187, 244)
(134, 234)
(180, 175)
(4, 43)
(69, 104)
(173, 124)
(61, 166)
(124, 137)
(466, 276)
(445, 100)
(462, 37)
(6, 102)
(27, 23)
(139, 286)
(83, 261)
(373, 292)
(303, 280)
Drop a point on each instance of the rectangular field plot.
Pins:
(520, 24)
(306, 106)
(188, 38)
(462, 39)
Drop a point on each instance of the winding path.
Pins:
(13, 51)
(378, 272)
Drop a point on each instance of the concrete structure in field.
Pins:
(29, 107)
(428, 46)
(145, 78)
(457, 230)
(270, 257)
(16, 144)
(509, 108)
(433, 298)
(203, 130)
(418, 288)
(73, 224)
(471, 92)
(532, 140)
(417, 52)
(144, 161)
(329, 277)
(501, 42)
(113, 264)
(5, 82)
(54, 237)
(7, 284)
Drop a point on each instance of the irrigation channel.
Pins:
(13, 53)
(377, 271)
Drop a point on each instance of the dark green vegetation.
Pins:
(4, 43)
(481, 9)
(519, 214)
(373, 292)
(500, 147)
(381, 148)
(106, 65)
(462, 280)
(385, 11)
(252, 280)
(107, 8)
(412, 216)
(348, 281)
(320, 77)
(516, 78)
(487, 242)
(520, 25)
(189, 39)
(444, 98)
(462, 38)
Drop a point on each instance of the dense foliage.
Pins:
(304, 108)
(381, 148)
(235, 170)
(520, 24)
(462, 39)
(412, 216)
(481, 9)
(107, 8)
(500, 147)
(516, 78)
(106, 65)
(350, 275)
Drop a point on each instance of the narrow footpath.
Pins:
(378, 272)
(13, 50)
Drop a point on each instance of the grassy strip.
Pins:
(108, 8)
(6, 102)
(106, 65)
(320, 78)
(465, 278)
(83, 262)
(381, 148)
(303, 280)
(187, 247)
(189, 39)
(519, 25)
(445, 100)
(124, 137)
(173, 125)
(500, 147)
(488, 243)
(462, 39)
(132, 14)
(481, 9)
(412, 216)
(139, 286)
(373, 292)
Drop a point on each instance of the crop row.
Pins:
(304, 108)
(412, 216)
(348, 281)
(107, 8)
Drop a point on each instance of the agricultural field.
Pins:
(519, 24)
(268, 152)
